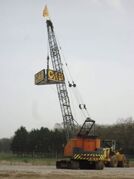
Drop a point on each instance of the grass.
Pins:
(9, 158)
(131, 162)
(15, 159)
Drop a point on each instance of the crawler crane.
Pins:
(83, 149)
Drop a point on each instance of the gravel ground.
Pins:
(50, 172)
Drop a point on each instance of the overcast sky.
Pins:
(97, 39)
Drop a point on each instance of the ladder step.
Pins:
(63, 91)
(68, 115)
(66, 105)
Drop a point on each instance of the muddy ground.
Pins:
(9, 171)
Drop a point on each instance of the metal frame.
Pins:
(67, 115)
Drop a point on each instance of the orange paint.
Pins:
(82, 144)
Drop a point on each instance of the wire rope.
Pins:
(76, 93)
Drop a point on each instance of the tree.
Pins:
(20, 141)
(5, 145)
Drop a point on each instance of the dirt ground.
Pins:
(23, 171)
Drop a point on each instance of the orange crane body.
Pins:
(81, 144)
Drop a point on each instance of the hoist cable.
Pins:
(76, 91)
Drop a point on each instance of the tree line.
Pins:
(48, 142)
(122, 132)
(38, 142)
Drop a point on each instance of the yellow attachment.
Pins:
(45, 12)
(120, 157)
(106, 153)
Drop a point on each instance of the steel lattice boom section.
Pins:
(68, 119)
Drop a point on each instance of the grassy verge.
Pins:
(131, 162)
(9, 158)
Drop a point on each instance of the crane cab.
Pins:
(79, 145)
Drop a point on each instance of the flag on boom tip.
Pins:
(45, 12)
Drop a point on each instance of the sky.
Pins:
(97, 40)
